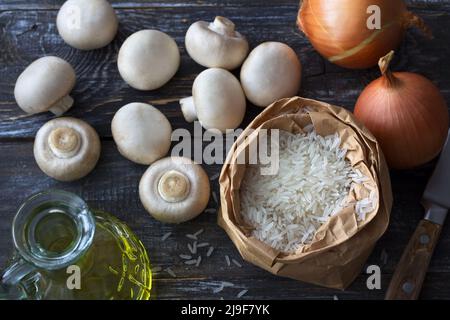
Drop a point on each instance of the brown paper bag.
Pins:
(341, 246)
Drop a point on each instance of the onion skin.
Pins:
(408, 116)
(338, 29)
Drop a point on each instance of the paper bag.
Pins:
(341, 246)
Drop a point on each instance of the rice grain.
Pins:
(166, 236)
(210, 251)
(313, 183)
(242, 293)
(236, 263)
(170, 272)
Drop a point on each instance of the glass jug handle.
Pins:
(10, 287)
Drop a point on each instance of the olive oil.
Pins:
(60, 242)
(54, 233)
(116, 265)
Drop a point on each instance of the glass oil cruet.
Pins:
(64, 250)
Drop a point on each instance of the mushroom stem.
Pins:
(188, 109)
(223, 26)
(174, 186)
(61, 106)
(64, 142)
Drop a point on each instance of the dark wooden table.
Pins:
(28, 31)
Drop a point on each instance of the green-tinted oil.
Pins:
(55, 233)
(116, 266)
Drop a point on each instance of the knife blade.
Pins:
(410, 272)
(436, 197)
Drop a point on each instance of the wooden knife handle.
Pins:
(410, 273)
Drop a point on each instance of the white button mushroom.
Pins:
(174, 190)
(66, 149)
(148, 59)
(216, 44)
(217, 101)
(45, 85)
(87, 24)
(271, 72)
(142, 133)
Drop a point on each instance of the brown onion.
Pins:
(406, 113)
(338, 29)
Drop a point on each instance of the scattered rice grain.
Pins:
(199, 232)
(199, 260)
(227, 259)
(191, 236)
(165, 236)
(202, 244)
(242, 293)
(236, 263)
(227, 284)
(219, 289)
(210, 251)
(170, 272)
(191, 262)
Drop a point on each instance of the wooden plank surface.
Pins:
(27, 31)
(121, 4)
(28, 35)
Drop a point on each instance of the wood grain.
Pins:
(27, 31)
(113, 187)
(407, 281)
(121, 4)
(27, 35)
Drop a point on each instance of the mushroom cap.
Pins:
(216, 44)
(142, 133)
(271, 72)
(66, 149)
(174, 190)
(148, 59)
(43, 84)
(219, 99)
(87, 24)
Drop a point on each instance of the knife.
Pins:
(410, 273)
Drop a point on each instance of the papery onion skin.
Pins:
(408, 116)
(338, 29)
